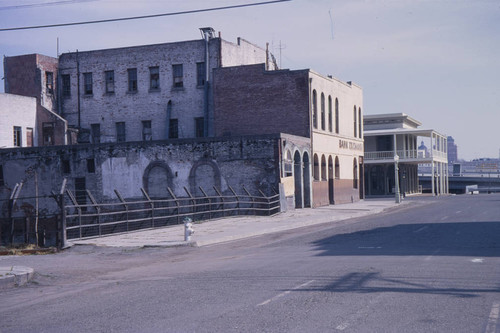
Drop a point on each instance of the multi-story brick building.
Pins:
(149, 92)
(250, 100)
(35, 75)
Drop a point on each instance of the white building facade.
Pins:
(18, 121)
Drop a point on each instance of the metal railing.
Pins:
(389, 155)
(98, 219)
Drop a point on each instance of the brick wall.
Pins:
(249, 100)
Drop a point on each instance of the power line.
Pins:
(44, 4)
(142, 17)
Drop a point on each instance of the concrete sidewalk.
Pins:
(234, 228)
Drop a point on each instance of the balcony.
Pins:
(404, 155)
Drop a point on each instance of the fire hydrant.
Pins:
(188, 229)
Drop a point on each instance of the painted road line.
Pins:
(285, 293)
(478, 260)
(493, 318)
(422, 228)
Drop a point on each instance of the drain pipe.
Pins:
(207, 34)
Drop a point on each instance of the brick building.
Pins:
(35, 75)
(150, 92)
(327, 111)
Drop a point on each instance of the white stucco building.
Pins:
(18, 121)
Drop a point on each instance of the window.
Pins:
(323, 168)
(173, 129)
(360, 124)
(17, 136)
(66, 168)
(154, 78)
(330, 117)
(177, 72)
(2, 181)
(120, 131)
(109, 76)
(95, 131)
(355, 122)
(87, 83)
(66, 85)
(355, 174)
(90, 165)
(322, 111)
(48, 133)
(336, 115)
(146, 130)
(315, 168)
(49, 82)
(337, 168)
(200, 74)
(132, 79)
(315, 110)
(288, 164)
(200, 128)
(29, 137)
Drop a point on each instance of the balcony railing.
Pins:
(403, 154)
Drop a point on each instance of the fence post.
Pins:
(145, 194)
(237, 199)
(251, 197)
(124, 204)
(172, 194)
(268, 202)
(222, 201)
(63, 237)
(209, 203)
(12, 202)
(193, 199)
(97, 209)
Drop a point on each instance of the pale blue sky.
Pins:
(437, 60)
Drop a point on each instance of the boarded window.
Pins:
(95, 132)
(147, 134)
(154, 78)
(109, 76)
(87, 84)
(132, 79)
(173, 129)
(178, 76)
(66, 168)
(200, 127)
(90, 165)
(29, 137)
(66, 85)
(200, 74)
(120, 132)
(17, 136)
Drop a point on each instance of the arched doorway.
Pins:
(297, 178)
(156, 179)
(307, 179)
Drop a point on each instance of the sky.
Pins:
(436, 60)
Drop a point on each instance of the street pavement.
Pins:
(216, 231)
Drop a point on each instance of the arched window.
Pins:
(316, 168)
(322, 111)
(336, 115)
(355, 123)
(337, 168)
(288, 163)
(315, 110)
(360, 123)
(330, 120)
(323, 168)
(355, 174)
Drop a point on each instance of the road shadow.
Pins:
(475, 239)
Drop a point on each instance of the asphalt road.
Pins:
(430, 267)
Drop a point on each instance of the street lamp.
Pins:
(396, 178)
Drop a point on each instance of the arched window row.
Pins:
(323, 121)
(325, 171)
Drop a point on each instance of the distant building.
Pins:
(390, 140)
(35, 75)
(452, 150)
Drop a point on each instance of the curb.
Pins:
(15, 276)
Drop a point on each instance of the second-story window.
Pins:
(146, 130)
(87, 83)
(66, 85)
(49, 82)
(120, 132)
(109, 76)
(178, 76)
(199, 127)
(173, 129)
(18, 136)
(154, 78)
(200, 74)
(132, 79)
